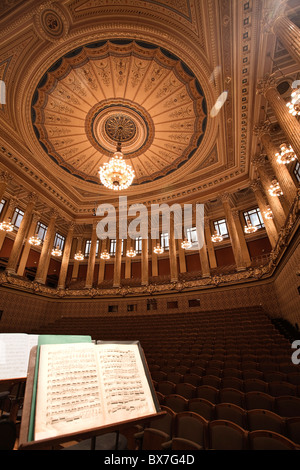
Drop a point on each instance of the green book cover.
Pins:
(49, 339)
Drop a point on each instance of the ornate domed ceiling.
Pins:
(125, 91)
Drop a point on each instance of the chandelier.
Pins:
(249, 228)
(116, 174)
(286, 155)
(186, 244)
(79, 256)
(275, 189)
(131, 253)
(35, 240)
(105, 255)
(268, 213)
(294, 104)
(56, 251)
(158, 249)
(216, 237)
(6, 226)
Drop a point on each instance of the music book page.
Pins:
(84, 386)
(14, 354)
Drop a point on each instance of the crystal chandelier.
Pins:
(116, 174)
(216, 237)
(286, 155)
(131, 253)
(35, 240)
(158, 249)
(275, 189)
(249, 228)
(268, 213)
(105, 255)
(186, 244)
(79, 256)
(56, 251)
(294, 104)
(6, 226)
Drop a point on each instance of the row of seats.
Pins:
(285, 406)
(213, 386)
(188, 430)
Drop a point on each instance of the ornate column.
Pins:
(274, 202)
(66, 257)
(92, 258)
(117, 263)
(129, 243)
(287, 122)
(234, 238)
(181, 255)
(76, 262)
(27, 246)
(269, 223)
(145, 266)
(281, 171)
(172, 251)
(241, 236)
(8, 215)
(20, 236)
(205, 269)
(102, 261)
(209, 244)
(42, 269)
(289, 35)
(154, 264)
(4, 180)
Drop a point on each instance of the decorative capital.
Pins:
(236, 213)
(259, 160)
(225, 197)
(5, 177)
(261, 129)
(263, 85)
(255, 185)
(32, 197)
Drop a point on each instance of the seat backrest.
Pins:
(163, 422)
(259, 400)
(176, 402)
(268, 440)
(208, 392)
(231, 395)
(265, 419)
(186, 390)
(202, 407)
(278, 389)
(231, 412)
(287, 406)
(225, 435)
(293, 429)
(255, 385)
(166, 387)
(191, 426)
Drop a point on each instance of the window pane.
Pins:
(59, 241)
(17, 217)
(297, 171)
(41, 230)
(164, 241)
(2, 204)
(221, 227)
(112, 247)
(138, 245)
(191, 234)
(255, 217)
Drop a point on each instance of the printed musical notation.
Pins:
(86, 385)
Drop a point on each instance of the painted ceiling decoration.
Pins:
(125, 91)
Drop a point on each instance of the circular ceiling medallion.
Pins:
(119, 91)
(112, 121)
(120, 127)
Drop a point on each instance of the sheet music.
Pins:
(126, 389)
(14, 354)
(84, 386)
(68, 396)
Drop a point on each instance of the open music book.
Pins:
(81, 386)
